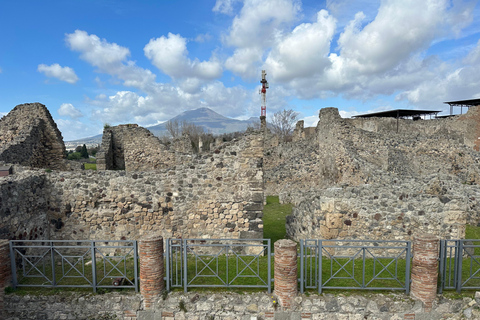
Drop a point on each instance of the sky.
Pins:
(97, 62)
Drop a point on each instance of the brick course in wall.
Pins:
(285, 272)
(150, 251)
(425, 269)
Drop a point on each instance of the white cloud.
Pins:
(109, 58)
(254, 30)
(224, 6)
(169, 54)
(447, 83)
(66, 74)
(303, 52)
(68, 110)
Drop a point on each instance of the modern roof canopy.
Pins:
(398, 113)
(463, 103)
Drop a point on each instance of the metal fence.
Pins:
(355, 264)
(459, 266)
(82, 263)
(218, 263)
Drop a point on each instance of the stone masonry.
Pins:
(214, 195)
(132, 148)
(370, 179)
(30, 137)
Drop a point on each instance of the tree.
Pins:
(174, 128)
(84, 152)
(283, 123)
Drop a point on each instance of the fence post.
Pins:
(151, 269)
(5, 271)
(425, 269)
(285, 268)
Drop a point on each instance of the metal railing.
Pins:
(459, 266)
(76, 264)
(218, 263)
(355, 264)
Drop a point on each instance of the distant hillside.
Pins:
(204, 117)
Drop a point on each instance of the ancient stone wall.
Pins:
(234, 306)
(394, 210)
(133, 148)
(24, 206)
(30, 137)
(214, 195)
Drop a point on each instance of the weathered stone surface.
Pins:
(229, 305)
(30, 137)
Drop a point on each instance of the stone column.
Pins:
(285, 268)
(150, 251)
(425, 269)
(5, 272)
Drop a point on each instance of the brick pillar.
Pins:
(425, 269)
(285, 268)
(150, 251)
(5, 272)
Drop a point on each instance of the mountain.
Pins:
(208, 119)
(211, 122)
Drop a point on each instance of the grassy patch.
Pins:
(90, 166)
(274, 215)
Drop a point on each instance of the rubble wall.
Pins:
(215, 195)
(30, 137)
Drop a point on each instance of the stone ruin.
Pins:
(30, 137)
(348, 178)
(360, 178)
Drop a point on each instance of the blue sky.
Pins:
(97, 62)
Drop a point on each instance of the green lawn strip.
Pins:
(274, 215)
(90, 166)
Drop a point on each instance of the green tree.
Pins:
(84, 152)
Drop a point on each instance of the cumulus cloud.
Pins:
(66, 74)
(169, 54)
(447, 83)
(109, 58)
(68, 110)
(254, 30)
(303, 52)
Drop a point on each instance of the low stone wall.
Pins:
(394, 210)
(233, 306)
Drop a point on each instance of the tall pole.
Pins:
(263, 92)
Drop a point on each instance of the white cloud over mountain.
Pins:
(68, 110)
(355, 51)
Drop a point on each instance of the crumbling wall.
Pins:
(214, 195)
(24, 206)
(30, 137)
(133, 148)
(393, 210)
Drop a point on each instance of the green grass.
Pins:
(90, 166)
(68, 276)
(274, 215)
